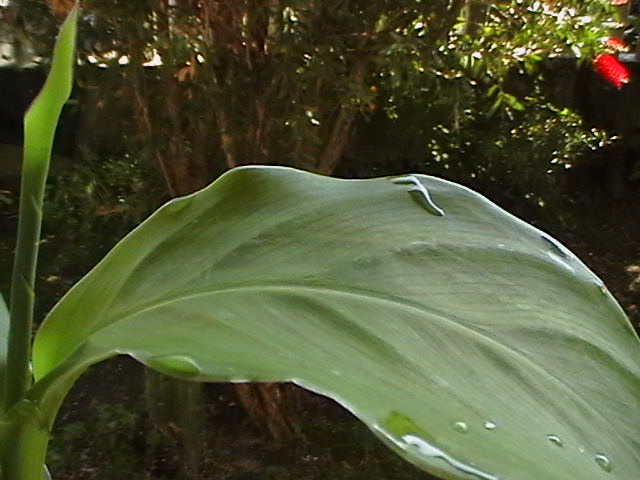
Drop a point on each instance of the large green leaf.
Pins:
(469, 341)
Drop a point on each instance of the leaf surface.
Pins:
(4, 338)
(470, 342)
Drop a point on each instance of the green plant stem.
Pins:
(39, 130)
(23, 280)
(28, 447)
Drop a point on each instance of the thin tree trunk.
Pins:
(227, 141)
(345, 119)
(475, 14)
(337, 141)
(272, 407)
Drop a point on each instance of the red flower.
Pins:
(610, 68)
(616, 45)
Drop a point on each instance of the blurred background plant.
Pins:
(191, 88)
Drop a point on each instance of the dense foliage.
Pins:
(317, 69)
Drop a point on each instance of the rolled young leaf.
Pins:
(470, 342)
(40, 124)
(24, 427)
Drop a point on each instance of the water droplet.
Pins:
(429, 450)
(555, 246)
(489, 425)
(555, 440)
(460, 427)
(558, 253)
(604, 462)
(178, 365)
(406, 180)
(402, 432)
(581, 449)
(420, 194)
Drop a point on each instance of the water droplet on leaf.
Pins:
(604, 462)
(429, 450)
(409, 437)
(603, 290)
(177, 365)
(460, 427)
(555, 440)
(420, 194)
(406, 180)
(558, 252)
(555, 246)
(489, 425)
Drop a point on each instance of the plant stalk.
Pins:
(40, 124)
(23, 280)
